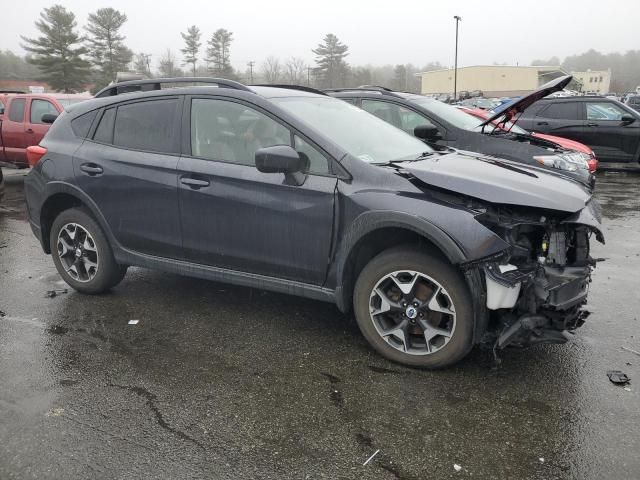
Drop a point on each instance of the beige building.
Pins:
(596, 81)
(492, 80)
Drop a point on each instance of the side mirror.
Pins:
(48, 118)
(627, 119)
(427, 132)
(281, 159)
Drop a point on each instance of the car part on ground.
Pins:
(297, 192)
(459, 130)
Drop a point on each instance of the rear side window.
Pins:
(16, 110)
(82, 124)
(561, 111)
(147, 126)
(104, 132)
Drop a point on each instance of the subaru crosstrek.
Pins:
(293, 191)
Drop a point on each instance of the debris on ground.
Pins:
(55, 293)
(541, 460)
(631, 350)
(618, 377)
(627, 389)
(371, 457)
(133, 322)
(2, 314)
(457, 467)
(55, 412)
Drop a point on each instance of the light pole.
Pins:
(250, 65)
(455, 67)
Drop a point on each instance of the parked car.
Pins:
(451, 127)
(21, 121)
(290, 190)
(479, 102)
(565, 143)
(634, 102)
(609, 127)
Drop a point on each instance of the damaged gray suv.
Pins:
(290, 190)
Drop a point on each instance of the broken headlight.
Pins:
(564, 161)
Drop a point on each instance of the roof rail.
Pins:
(12, 91)
(291, 87)
(365, 88)
(150, 84)
(375, 87)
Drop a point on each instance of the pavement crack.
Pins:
(151, 403)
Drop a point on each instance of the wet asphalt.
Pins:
(227, 382)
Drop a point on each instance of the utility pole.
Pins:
(455, 67)
(147, 60)
(250, 65)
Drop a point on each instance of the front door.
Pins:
(234, 216)
(35, 128)
(607, 135)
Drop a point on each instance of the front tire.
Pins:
(82, 254)
(414, 308)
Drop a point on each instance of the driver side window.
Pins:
(396, 115)
(232, 132)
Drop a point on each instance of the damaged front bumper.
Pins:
(536, 292)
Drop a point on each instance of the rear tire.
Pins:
(414, 308)
(82, 254)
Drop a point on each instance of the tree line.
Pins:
(69, 58)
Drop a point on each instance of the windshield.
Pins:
(354, 130)
(450, 114)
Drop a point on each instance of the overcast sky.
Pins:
(377, 32)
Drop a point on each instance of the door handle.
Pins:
(91, 169)
(194, 182)
(592, 124)
(29, 130)
(542, 123)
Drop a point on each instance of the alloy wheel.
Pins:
(77, 252)
(412, 312)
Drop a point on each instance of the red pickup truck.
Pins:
(21, 122)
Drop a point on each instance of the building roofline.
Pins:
(538, 67)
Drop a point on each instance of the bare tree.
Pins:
(295, 71)
(271, 70)
(167, 65)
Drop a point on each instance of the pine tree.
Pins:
(192, 47)
(55, 53)
(105, 42)
(330, 62)
(218, 53)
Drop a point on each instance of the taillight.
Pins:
(35, 154)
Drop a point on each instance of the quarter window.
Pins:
(232, 132)
(104, 132)
(148, 126)
(317, 162)
(39, 108)
(16, 110)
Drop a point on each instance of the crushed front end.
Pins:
(537, 290)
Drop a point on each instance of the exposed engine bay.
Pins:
(537, 291)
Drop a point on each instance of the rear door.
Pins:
(128, 168)
(35, 128)
(13, 131)
(610, 138)
(234, 216)
(563, 119)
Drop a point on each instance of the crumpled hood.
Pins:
(499, 181)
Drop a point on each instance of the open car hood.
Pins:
(499, 181)
(526, 101)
